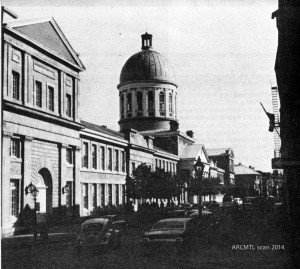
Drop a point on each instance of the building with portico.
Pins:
(78, 166)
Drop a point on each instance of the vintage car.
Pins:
(117, 221)
(98, 235)
(167, 231)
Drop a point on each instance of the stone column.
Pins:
(27, 168)
(76, 100)
(5, 191)
(63, 173)
(134, 102)
(156, 101)
(145, 103)
(167, 102)
(61, 78)
(76, 184)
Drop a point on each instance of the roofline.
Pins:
(146, 81)
(92, 133)
(9, 26)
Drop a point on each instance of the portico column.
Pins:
(5, 191)
(63, 173)
(27, 168)
(76, 184)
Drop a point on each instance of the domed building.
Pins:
(148, 91)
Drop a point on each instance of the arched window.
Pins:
(170, 102)
(122, 106)
(150, 101)
(161, 101)
(129, 102)
(139, 100)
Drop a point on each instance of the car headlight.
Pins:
(145, 239)
(179, 239)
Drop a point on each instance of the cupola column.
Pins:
(145, 105)
(173, 104)
(134, 102)
(156, 104)
(167, 103)
(125, 104)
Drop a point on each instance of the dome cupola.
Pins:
(148, 90)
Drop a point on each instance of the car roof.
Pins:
(96, 220)
(175, 219)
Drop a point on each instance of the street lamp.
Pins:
(199, 168)
(66, 189)
(34, 192)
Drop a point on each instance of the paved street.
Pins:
(58, 252)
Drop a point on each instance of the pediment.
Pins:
(46, 32)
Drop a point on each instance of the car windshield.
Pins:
(167, 225)
(92, 228)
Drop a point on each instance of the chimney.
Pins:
(174, 125)
(190, 133)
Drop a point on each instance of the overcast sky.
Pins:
(223, 54)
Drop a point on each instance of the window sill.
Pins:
(15, 159)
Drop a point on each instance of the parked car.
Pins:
(117, 221)
(177, 213)
(211, 205)
(167, 231)
(98, 235)
(205, 214)
(238, 201)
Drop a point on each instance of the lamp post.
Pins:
(199, 167)
(34, 192)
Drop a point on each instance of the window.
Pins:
(16, 85)
(50, 98)
(85, 155)
(85, 195)
(123, 195)
(69, 195)
(69, 155)
(94, 195)
(110, 159)
(129, 102)
(122, 106)
(116, 160)
(150, 101)
(14, 189)
(133, 167)
(69, 105)
(123, 161)
(15, 147)
(161, 101)
(170, 103)
(139, 99)
(117, 194)
(110, 194)
(94, 156)
(38, 93)
(102, 194)
(102, 158)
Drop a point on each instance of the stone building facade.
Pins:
(77, 166)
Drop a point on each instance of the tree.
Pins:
(153, 184)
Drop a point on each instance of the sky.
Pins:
(223, 54)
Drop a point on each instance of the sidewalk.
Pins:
(56, 234)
